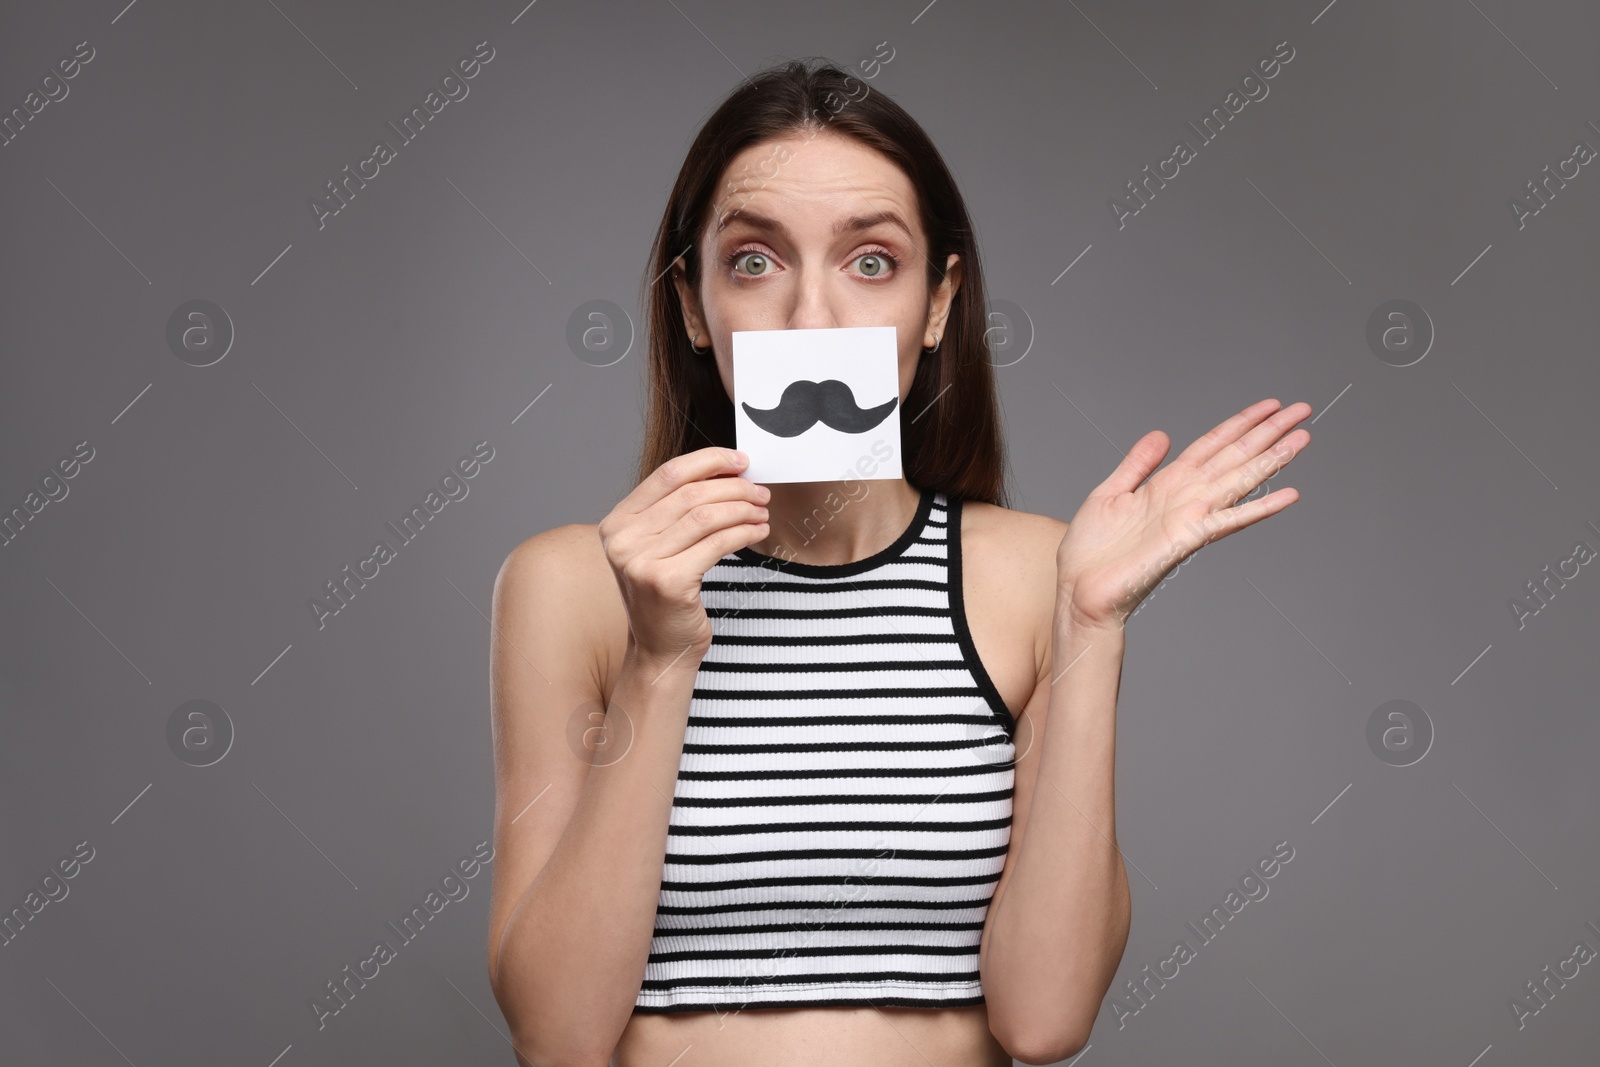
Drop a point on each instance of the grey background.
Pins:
(374, 352)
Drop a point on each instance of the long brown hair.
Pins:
(952, 440)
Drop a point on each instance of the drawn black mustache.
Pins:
(806, 403)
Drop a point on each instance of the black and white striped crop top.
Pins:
(843, 804)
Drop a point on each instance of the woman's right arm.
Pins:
(580, 841)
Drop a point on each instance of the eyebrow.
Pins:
(853, 224)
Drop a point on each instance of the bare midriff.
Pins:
(812, 1037)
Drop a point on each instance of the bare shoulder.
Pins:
(566, 567)
(569, 555)
(1009, 564)
(1011, 545)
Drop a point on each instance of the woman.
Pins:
(822, 772)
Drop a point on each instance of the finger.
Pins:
(1257, 441)
(1242, 480)
(1226, 432)
(700, 556)
(684, 499)
(693, 466)
(1144, 457)
(701, 522)
(1221, 523)
(691, 565)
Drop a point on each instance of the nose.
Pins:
(812, 309)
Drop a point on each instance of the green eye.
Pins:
(757, 262)
(876, 264)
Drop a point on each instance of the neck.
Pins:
(832, 523)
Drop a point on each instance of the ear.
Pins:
(940, 299)
(688, 300)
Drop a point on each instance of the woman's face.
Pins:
(815, 234)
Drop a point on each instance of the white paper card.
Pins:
(817, 405)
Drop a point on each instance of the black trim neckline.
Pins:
(893, 550)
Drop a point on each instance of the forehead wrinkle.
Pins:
(851, 224)
(813, 182)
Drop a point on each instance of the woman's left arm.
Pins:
(1059, 918)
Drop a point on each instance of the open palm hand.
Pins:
(1127, 536)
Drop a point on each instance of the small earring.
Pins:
(697, 350)
(937, 340)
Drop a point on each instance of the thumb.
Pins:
(1143, 458)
